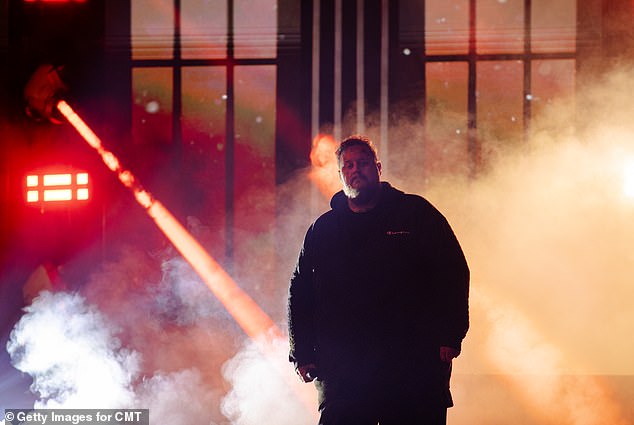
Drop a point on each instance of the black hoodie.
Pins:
(380, 289)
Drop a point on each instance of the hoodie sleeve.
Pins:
(301, 326)
(452, 277)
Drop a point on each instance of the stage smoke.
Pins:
(77, 361)
(546, 226)
(547, 233)
(134, 338)
(71, 351)
(263, 385)
(179, 398)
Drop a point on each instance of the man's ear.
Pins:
(379, 167)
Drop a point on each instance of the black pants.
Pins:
(368, 390)
(341, 413)
(384, 401)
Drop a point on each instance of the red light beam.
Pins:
(253, 320)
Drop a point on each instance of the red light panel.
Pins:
(54, 1)
(57, 188)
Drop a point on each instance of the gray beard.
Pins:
(360, 197)
(351, 192)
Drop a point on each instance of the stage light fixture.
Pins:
(55, 1)
(60, 187)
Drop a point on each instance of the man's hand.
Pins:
(307, 372)
(448, 353)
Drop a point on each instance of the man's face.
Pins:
(358, 171)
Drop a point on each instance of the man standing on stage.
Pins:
(378, 301)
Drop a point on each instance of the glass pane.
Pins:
(255, 28)
(254, 182)
(500, 26)
(203, 29)
(446, 143)
(447, 27)
(410, 24)
(499, 102)
(152, 29)
(204, 148)
(551, 80)
(553, 25)
(152, 106)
